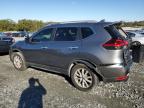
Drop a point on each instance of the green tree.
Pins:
(33, 25)
(7, 25)
(29, 25)
(134, 24)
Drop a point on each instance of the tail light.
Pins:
(121, 78)
(115, 44)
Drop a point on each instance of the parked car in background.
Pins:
(19, 34)
(5, 42)
(16, 33)
(87, 52)
(142, 32)
(137, 45)
(137, 37)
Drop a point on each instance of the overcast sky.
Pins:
(70, 10)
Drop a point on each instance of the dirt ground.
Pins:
(17, 90)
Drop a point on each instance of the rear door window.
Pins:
(86, 32)
(66, 34)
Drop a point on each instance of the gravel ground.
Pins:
(54, 91)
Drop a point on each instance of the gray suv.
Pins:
(87, 52)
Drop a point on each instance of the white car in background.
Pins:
(137, 37)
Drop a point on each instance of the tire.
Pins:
(83, 78)
(18, 61)
(136, 43)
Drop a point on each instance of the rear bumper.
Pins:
(115, 72)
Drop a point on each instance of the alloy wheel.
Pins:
(83, 78)
(17, 61)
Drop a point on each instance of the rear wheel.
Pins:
(83, 78)
(18, 61)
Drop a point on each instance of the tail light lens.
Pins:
(115, 44)
(121, 78)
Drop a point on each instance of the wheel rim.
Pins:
(17, 62)
(83, 78)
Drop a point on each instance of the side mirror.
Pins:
(27, 38)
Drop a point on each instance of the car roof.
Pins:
(80, 23)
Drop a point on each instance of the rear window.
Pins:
(86, 32)
(115, 31)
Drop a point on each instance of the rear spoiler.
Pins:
(118, 24)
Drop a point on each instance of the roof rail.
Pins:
(79, 21)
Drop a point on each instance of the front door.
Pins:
(35, 50)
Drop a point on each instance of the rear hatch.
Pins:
(121, 41)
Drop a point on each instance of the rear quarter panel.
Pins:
(93, 50)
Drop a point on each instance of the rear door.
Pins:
(65, 47)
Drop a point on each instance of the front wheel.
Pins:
(18, 61)
(83, 78)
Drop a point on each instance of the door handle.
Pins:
(73, 47)
(44, 47)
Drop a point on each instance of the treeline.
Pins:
(21, 25)
(134, 24)
(33, 25)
